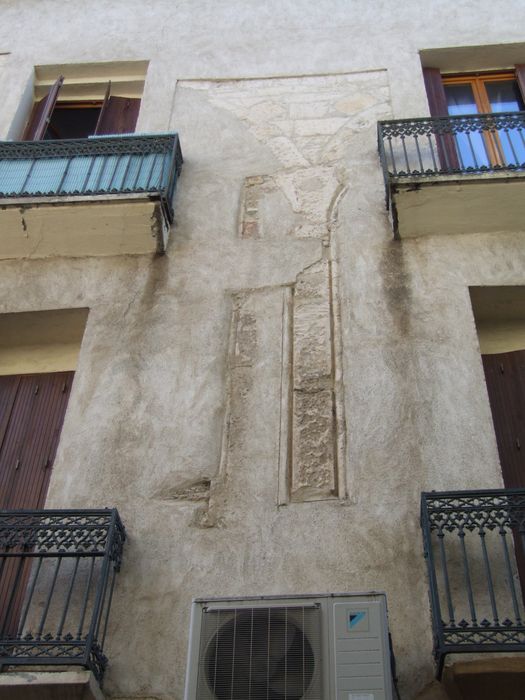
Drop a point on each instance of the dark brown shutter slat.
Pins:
(13, 441)
(39, 448)
(30, 422)
(437, 102)
(41, 114)
(120, 116)
(8, 390)
(505, 377)
(31, 438)
(520, 77)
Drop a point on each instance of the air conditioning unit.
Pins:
(322, 647)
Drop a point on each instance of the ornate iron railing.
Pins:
(474, 543)
(104, 165)
(57, 575)
(472, 143)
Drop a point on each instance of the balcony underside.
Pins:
(452, 204)
(49, 685)
(486, 679)
(81, 226)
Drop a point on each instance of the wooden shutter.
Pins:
(505, 377)
(103, 109)
(119, 116)
(41, 114)
(520, 77)
(32, 409)
(33, 420)
(437, 101)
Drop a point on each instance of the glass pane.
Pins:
(504, 96)
(460, 99)
(471, 146)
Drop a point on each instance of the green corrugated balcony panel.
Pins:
(104, 195)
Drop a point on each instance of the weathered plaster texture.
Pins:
(313, 468)
(265, 403)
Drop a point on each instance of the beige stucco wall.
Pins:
(189, 411)
(41, 341)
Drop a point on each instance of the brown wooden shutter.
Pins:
(520, 77)
(505, 377)
(119, 116)
(41, 114)
(103, 109)
(30, 439)
(437, 101)
(32, 409)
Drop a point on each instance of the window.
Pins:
(53, 118)
(479, 93)
(483, 94)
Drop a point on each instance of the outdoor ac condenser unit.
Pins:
(322, 647)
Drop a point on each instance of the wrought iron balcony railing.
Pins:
(57, 575)
(471, 143)
(113, 165)
(474, 544)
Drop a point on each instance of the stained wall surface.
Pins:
(265, 402)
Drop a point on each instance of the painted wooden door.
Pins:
(32, 409)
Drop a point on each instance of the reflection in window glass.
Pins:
(504, 96)
(471, 146)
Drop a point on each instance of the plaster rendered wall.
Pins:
(265, 403)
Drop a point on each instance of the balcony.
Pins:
(96, 196)
(474, 543)
(454, 175)
(57, 577)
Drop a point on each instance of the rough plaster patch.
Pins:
(313, 465)
(245, 339)
(313, 475)
(306, 123)
(242, 355)
(312, 341)
(187, 490)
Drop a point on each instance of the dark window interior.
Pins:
(73, 120)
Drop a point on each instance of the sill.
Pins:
(49, 685)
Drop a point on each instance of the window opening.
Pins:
(485, 94)
(73, 120)
(52, 118)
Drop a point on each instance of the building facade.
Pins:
(249, 355)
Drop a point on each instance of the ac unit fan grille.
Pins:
(270, 653)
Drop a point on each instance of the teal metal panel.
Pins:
(105, 165)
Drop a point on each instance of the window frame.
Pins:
(477, 82)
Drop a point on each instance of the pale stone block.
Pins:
(313, 127)
(308, 230)
(310, 110)
(356, 103)
(267, 110)
(287, 152)
(245, 344)
(312, 341)
(313, 474)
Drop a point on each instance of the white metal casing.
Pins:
(354, 661)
